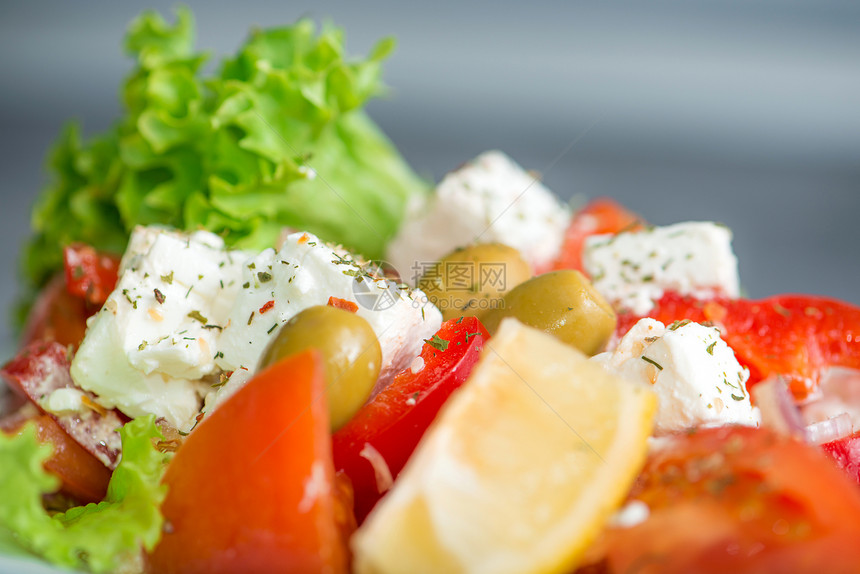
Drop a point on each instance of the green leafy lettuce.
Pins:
(97, 537)
(276, 137)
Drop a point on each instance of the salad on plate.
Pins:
(258, 342)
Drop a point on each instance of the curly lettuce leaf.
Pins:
(97, 537)
(276, 137)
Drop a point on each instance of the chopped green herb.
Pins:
(710, 348)
(264, 276)
(678, 324)
(269, 332)
(653, 362)
(197, 316)
(437, 343)
(781, 310)
(168, 278)
(129, 299)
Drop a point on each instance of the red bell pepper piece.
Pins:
(393, 422)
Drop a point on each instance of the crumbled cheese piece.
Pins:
(417, 365)
(157, 333)
(633, 513)
(632, 269)
(306, 272)
(490, 199)
(695, 374)
(64, 401)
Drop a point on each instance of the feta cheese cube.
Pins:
(490, 199)
(157, 333)
(695, 374)
(634, 269)
(306, 272)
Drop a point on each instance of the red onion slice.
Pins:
(830, 429)
(778, 409)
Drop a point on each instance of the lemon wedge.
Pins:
(519, 471)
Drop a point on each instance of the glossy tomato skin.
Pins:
(394, 421)
(252, 488)
(57, 316)
(42, 368)
(82, 476)
(738, 499)
(846, 453)
(600, 215)
(62, 307)
(796, 336)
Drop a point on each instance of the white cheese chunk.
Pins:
(306, 272)
(633, 269)
(64, 401)
(490, 199)
(157, 333)
(695, 374)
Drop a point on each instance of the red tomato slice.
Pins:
(42, 368)
(253, 487)
(846, 452)
(382, 435)
(90, 275)
(62, 308)
(796, 336)
(601, 215)
(738, 499)
(83, 476)
(57, 316)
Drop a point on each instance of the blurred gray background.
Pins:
(745, 112)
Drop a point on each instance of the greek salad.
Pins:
(260, 343)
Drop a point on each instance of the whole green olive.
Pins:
(350, 351)
(472, 280)
(562, 303)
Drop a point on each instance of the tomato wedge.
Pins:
(90, 274)
(375, 444)
(57, 316)
(42, 368)
(738, 499)
(600, 215)
(796, 336)
(62, 307)
(82, 476)
(253, 487)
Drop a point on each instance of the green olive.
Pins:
(562, 303)
(473, 280)
(349, 348)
